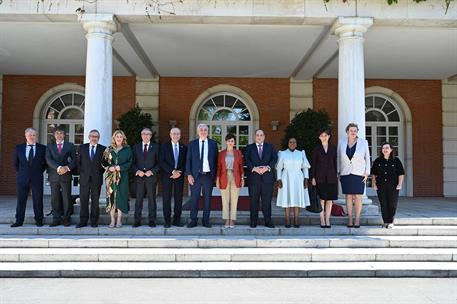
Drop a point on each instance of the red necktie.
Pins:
(59, 148)
(145, 151)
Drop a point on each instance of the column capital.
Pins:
(351, 26)
(99, 23)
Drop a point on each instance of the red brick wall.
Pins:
(424, 101)
(271, 95)
(21, 94)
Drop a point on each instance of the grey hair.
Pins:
(28, 130)
(202, 126)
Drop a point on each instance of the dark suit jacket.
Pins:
(25, 173)
(323, 165)
(90, 168)
(193, 158)
(152, 159)
(251, 159)
(167, 159)
(66, 158)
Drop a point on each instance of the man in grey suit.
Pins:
(61, 159)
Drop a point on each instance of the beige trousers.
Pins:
(230, 198)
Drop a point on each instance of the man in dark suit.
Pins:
(201, 170)
(90, 179)
(146, 167)
(61, 159)
(172, 166)
(29, 161)
(260, 158)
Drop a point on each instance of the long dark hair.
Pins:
(392, 153)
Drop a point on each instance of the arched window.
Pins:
(226, 113)
(66, 110)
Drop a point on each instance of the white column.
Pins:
(98, 110)
(351, 76)
(351, 81)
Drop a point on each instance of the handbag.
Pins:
(337, 210)
(315, 204)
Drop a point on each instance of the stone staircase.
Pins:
(414, 248)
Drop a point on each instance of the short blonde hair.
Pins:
(113, 138)
(352, 125)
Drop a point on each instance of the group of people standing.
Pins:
(203, 166)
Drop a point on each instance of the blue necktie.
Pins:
(92, 153)
(176, 155)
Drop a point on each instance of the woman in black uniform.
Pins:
(388, 174)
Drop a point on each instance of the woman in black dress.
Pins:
(388, 174)
(324, 174)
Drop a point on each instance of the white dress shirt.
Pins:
(206, 167)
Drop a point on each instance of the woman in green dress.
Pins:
(117, 160)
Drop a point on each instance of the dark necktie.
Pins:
(145, 151)
(260, 151)
(201, 156)
(92, 152)
(30, 156)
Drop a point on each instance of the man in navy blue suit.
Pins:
(201, 169)
(29, 160)
(172, 165)
(260, 158)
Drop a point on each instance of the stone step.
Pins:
(232, 241)
(228, 255)
(243, 219)
(412, 230)
(226, 269)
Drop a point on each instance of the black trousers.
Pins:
(37, 196)
(61, 206)
(260, 193)
(176, 187)
(148, 184)
(388, 198)
(91, 189)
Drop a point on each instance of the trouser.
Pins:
(260, 193)
(150, 185)
(230, 198)
(61, 208)
(174, 186)
(388, 199)
(204, 184)
(37, 196)
(91, 189)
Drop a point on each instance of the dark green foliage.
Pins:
(132, 122)
(304, 127)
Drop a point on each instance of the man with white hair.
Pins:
(29, 161)
(201, 169)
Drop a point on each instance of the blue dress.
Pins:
(352, 184)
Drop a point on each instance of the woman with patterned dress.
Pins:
(117, 160)
(292, 175)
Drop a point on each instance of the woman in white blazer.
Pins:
(353, 169)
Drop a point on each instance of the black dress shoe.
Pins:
(177, 223)
(356, 226)
(136, 224)
(94, 225)
(167, 225)
(54, 224)
(39, 223)
(253, 225)
(192, 224)
(152, 224)
(287, 225)
(207, 225)
(269, 225)
(80, 225)
(66, 222)
(16, 225)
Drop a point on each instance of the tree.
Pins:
(132, 122)
(304, 127)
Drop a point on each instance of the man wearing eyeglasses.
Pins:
(90, 179)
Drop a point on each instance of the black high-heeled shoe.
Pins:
(323, 226)
(328, 226)
(287, 225)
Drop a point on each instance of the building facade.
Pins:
(237, 67)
